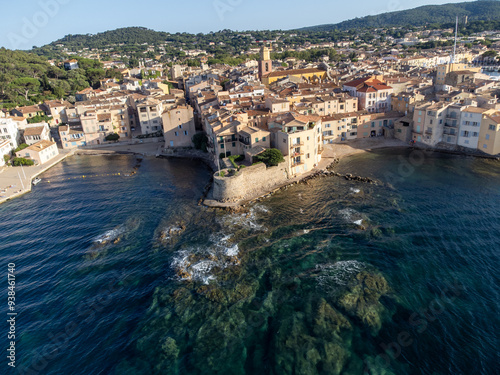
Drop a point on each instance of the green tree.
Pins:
(25, 86)
(271, 157)
(200, 141)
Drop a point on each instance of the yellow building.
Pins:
(311, 75)
(489, 134)
(443, 70)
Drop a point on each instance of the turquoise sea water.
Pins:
(127, 275)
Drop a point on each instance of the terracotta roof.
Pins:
(29, 109)
(475, 110)
(35, 130)
(361, 81)
(39, 146)
(293, 72)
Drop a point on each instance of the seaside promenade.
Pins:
(16, 181)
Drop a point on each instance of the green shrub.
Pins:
(236, 158)
(6, 158)
(22, 146)
(38, 118)
(222, 174)
(22, 161)
(113, 137)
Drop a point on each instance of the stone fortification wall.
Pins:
(248, 182)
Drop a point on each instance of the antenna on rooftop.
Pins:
(455, 45)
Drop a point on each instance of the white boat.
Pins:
(36, 181)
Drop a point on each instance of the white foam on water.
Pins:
(242, 221)
(347, 213)
(261, 208)
(197, 264)
(355, 191)
(352, 216)
(232, 251)
(338, 274)
(110, 235)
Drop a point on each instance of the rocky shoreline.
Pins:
(240, 205)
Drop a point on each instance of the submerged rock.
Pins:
(169, 234)
(361, 300)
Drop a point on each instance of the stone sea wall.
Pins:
(248, 182)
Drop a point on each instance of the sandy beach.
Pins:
(358, 146)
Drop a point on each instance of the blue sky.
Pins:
(30, 23)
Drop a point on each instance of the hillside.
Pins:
(26, 78)
(424, 15)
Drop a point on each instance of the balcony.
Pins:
(428, 131)
(297, 145)
(245, 142)
(449, 131)
(297, 163)
(296, 154)
(450, 125)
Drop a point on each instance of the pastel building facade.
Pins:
(178, 126)
(40, 152)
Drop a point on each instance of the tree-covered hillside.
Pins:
(425, 15)
(26, 78)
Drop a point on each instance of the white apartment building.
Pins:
(470, 126)
(9, 131)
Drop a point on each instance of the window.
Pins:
(430, 122)
(176, 134)
(308, 156)
(475, 134)
(256, 140)
(263, 139)
(234, 144)
(492, 127)
(485, 146)
(487, 137)
(180, 126)
(185, 132)
(222, 146)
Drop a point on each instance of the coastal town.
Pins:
(442, 98)
(250, 187)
